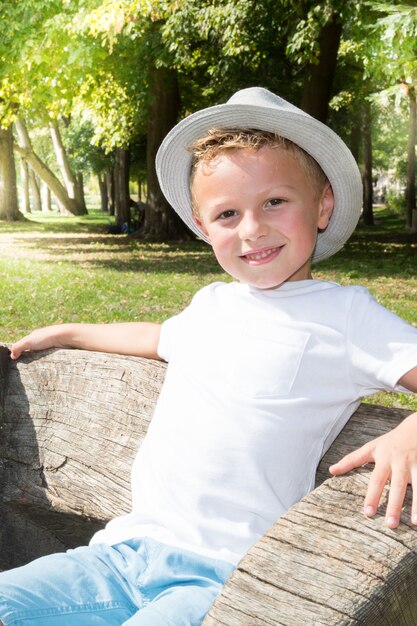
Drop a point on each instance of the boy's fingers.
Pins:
(15, 352)
(378, 480)
(358, 457)
(414, 504)
(398, 488)
(20, 346)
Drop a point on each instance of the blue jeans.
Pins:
(136, 583)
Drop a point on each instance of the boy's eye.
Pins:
(275, 202)
(224, 215)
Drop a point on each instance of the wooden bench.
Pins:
(71, 422)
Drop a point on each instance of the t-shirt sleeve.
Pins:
(170, 330)
(382, 346)
(174, 328)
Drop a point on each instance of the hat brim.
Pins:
(173, 162)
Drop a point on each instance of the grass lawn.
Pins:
(56, 269)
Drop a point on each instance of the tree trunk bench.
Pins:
(71, 422)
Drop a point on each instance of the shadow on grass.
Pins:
(367, 258)
(121, 253)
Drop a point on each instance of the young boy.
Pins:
(262, 374)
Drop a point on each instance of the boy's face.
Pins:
(261, 212)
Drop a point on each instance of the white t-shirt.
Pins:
(258, 385)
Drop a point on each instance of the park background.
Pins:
(89, 88)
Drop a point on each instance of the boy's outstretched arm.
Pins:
(132, 338)
(395, 458)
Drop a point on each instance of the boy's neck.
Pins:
(289, 282)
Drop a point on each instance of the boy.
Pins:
(262, 375)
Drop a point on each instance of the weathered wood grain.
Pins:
(71, 422)
(324, 563)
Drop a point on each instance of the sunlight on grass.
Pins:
(53, 221)
(56, 269)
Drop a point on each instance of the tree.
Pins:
(103, 62)
(313, 43)
(30, 76)
(397, 59)
(160, 221)
(24, 182)
(319, 75)
(368, 215)
(131, 68)
(25, 149)
(62, 160)
(35, 190)
(9, 209)
(144, 100)
(209, 50)
(410, 191)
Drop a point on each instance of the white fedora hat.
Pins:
(258, 108)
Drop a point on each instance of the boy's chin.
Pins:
(262, 284)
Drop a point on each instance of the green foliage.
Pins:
(36, 68)
(92, 60)
(60, 67)
(389, 134)
(303, 42)
(85, 156)
(395, 202)
(395, 54)
(108, 105)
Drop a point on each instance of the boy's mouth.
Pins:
(261, 256)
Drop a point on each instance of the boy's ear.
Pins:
(326, 207)
(200, 224)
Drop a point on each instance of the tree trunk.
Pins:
(318, 78)
(79, 192)
(35, 191)
(161, 222)
(410, 192)
(368, 215)
(104, 200)
(46, 198)
(121, 186)
(9, 205)
(25, 149)
(109, 178)
(24, 183)
(356, 136)
(62, 159)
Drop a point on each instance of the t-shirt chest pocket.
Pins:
(266, 359)
(242, 358)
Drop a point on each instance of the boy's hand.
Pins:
(39, 339)
(395, 458)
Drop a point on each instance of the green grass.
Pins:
(55, 269)
(55, 222)
(59, 269)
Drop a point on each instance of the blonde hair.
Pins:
(219, 141)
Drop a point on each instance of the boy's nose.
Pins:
(251, 227)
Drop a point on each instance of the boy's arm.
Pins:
(409, 380)
(132, 338)
(395, 458)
